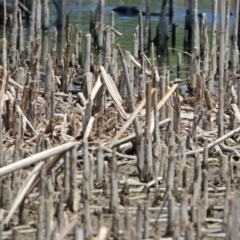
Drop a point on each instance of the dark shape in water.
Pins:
(9, 12)
(130, 11)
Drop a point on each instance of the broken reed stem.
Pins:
(138, 109)
(146, 224)
(23, 190)
(156, 144)
(4, 73)
(215, 142)
(221, 70)
(45, 15)
(4, 18)
(171, 162)
(31, 29)
(48, 87)
(87, 62)
(113, 184)
(37, 157)
(204, 190)
(141, 32)
(148, 170)
(66, 179)
(223, 168)
(14, 25)
(129, 89)
(139, 222)
(100, 166)
(171, 215)
(86, 166)
(65, 75)
(74, 195)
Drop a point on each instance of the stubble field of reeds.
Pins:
(101, 144)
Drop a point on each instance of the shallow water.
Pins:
(79, 13)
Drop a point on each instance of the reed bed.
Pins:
(101, 144)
